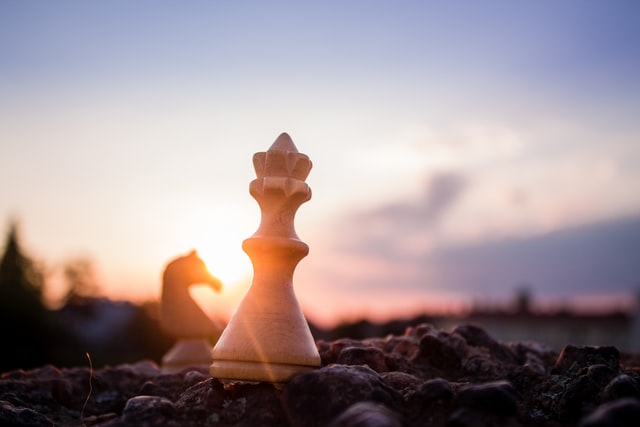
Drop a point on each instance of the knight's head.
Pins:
(191, 270)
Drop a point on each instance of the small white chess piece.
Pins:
(268, 338)
(182, 318)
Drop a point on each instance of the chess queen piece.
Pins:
(268, 338)
(182, 318)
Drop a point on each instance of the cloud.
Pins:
(598, 257)
(591, 262)
(468, 142)
(383, 241)
(595, 262)
(441, 192)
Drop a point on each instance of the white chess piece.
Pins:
(268, 338)
(182, 318)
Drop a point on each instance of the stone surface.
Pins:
(381, 381)
(340, 387)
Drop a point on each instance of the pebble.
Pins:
(370, 356)
(145, 368)
(143, 409)
(573, 358)
(315, 398)
(194, 377)
(420, 330)
(621, 413)
(441, 352)
(202, 396)
(579, 397)
(601, 374)
(401, 381)
(12, 416)
(437, 389)
(484, 368)
(329, 354)
(165, 385)
(496, 398)
(622, 386)
(367, 414)
(404, 346)
(478, 337)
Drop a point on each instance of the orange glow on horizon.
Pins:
(220, 248)
(231, 268)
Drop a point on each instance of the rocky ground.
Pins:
(425, 377)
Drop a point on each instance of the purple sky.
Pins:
(453, 143)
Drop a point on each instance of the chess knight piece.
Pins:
(182, 318)
(268, 338)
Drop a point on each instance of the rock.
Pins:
(167, 385)
(601, 374)
(248, 404)
(403, 346)
(148, 410)
(370, 356)
(401, 381)
(317, 397)
(496, 398)
(431, 402)
(329, 354)
(573, 358)
(437, 389)
(367, 414)
(145, 368)
(102, 419)
(489, 404)
(622, 386)
(194, 377)
(478, 337)
(202, 398)
(62, 391)
(466, 418)
(580, 397)
(484, 368)
(443, 351)
(420, 330)
(375, 342)
(621, 413)
(12, 416)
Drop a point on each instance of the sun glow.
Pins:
(226, 261)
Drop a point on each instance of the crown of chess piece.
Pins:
(268, 338)
(182, 318)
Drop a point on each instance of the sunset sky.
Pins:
(461, 149)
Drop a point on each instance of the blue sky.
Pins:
(127, 129)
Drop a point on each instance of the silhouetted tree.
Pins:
(25, 325)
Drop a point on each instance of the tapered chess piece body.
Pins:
(268, 338)
(182, 318)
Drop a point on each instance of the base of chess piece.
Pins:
(272, 372)
(267, 339)
(187, 352)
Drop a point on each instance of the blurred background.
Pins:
(473, 161)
